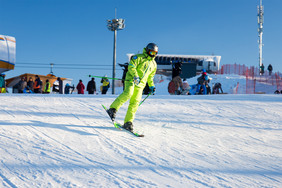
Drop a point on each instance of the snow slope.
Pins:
(190, 141)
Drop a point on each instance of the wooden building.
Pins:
(11, 82)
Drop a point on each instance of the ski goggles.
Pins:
(153, 53)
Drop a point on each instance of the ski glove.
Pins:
(136, 80)
(152, 90)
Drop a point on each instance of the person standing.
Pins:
(125, 69)
(91, 86)
(202, 81)
(80, 87)
(2, 83)
(58, 86)
(37, 85)
(22, 85)
(142, 69)
(30, 84)
(106, 85)
(270, 68)
(261, 69)
(47, 87)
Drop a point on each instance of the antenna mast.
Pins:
(260, 30)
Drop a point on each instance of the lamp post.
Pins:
(52, 64)
(115, 25)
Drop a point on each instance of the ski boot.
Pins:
(128, 126)
(112, 113)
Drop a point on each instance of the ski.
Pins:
(119, 126)
(134, 133)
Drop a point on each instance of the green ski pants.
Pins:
(132, 92)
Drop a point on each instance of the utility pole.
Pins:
(115, 25)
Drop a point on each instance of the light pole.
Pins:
(114, 25)
(52, 64)
(260, 32)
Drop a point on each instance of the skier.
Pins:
(142, 69)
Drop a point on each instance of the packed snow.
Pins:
(190, 141)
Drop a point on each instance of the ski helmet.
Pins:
(152, 49)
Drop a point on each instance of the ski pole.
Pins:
(145, 98)
(108, 78)
(105, 77)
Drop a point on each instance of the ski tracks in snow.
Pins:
(70, 142)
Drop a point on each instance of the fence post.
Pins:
(254, 86)
(237, 87)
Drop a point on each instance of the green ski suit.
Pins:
(144, 67)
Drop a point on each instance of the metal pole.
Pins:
(260, 31)
(114, 61)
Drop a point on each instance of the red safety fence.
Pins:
(253, 75)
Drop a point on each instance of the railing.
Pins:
(253, 76)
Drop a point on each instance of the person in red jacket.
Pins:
(80, 87)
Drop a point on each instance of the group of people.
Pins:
(91, 86)
(203, 87)
(179, 87)
(31, 86)
(36, 86)
(269, 68)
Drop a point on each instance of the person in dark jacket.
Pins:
(202, 82)
(22, 85)
(270, 68)
(176, 69)
(80, 87)
(216, 88)
(58, 86)
(37, 85)
(125, 69)
(261, 69)
(91, 86)
(30, 84)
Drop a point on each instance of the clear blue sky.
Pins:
(75, 32)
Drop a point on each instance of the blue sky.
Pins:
(75, 32)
